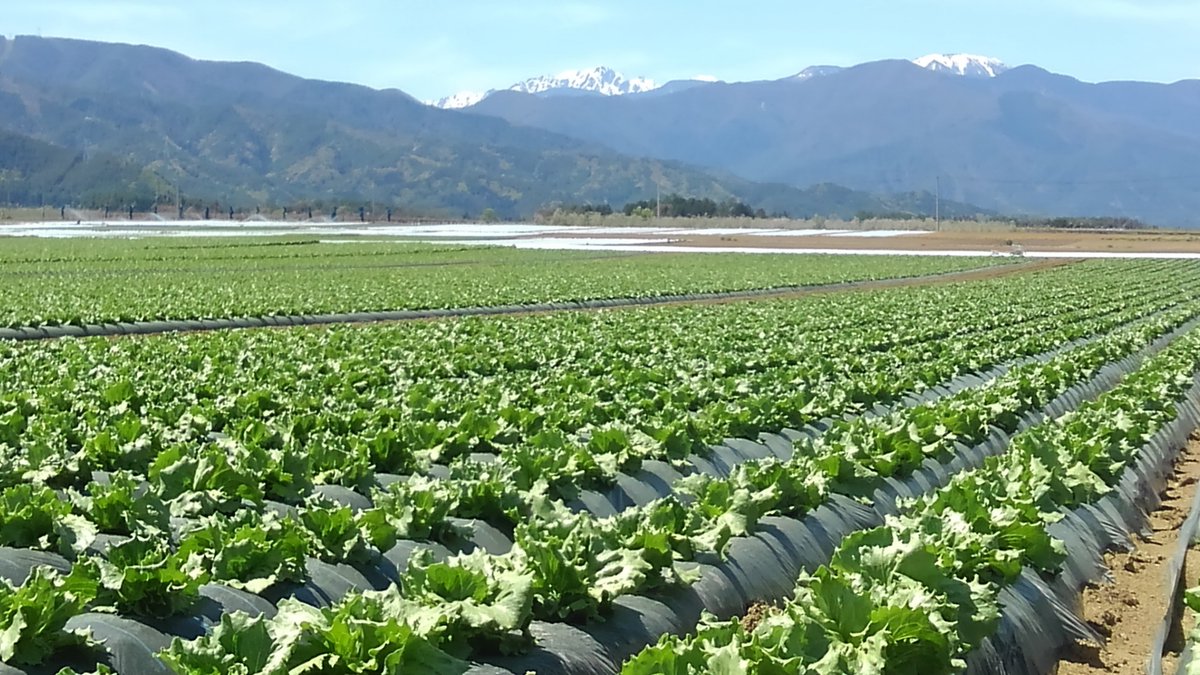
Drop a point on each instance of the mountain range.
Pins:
(605, 81)
(601, 80)
(243, 134)
(118, 123)
(1015, 140)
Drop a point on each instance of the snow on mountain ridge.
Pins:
(816, 71)
(608, 82)
(966, 65)
(600, 80)
(463, 99)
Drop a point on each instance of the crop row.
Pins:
(606, 557)
(1189, 663)
(357, 402)
(79, 292)
(921, 592)
(731, 506)
(24, 256)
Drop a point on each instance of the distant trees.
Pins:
(598, 209)
(888, 215)
(558, 210)
(678, 206)
(1084, 223)
(672, 206)
(1024, 222)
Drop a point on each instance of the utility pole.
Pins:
(937, 204)
(657, 200)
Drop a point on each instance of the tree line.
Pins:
(669, 206)
(1025, 222)
(678, 206)
(1083, 223)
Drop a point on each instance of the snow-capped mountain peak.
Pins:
(816, 71)
(599, 80)
(967, 65)
(463, 99)
(605, 81)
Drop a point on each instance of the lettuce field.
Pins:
(918, 478)
(81, 282)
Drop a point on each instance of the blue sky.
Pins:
(430, 49)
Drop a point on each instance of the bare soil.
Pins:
(1129, 611)
(755, 615)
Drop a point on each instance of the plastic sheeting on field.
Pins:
(1040, 620)
(758, 568)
